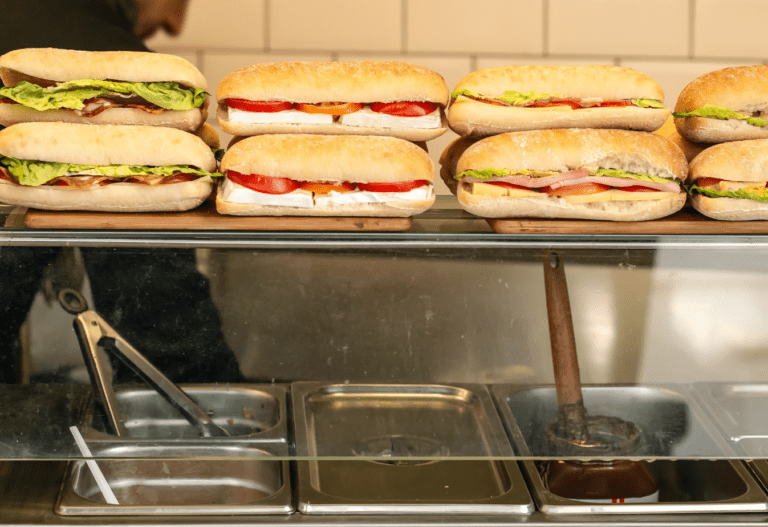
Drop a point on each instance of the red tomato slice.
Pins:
(509, 185)
(605, 104)
(577, 190)
(637, 188)
(259, 106)
(8, 101)
(707, 181)
(557, 102)
(267, 185)
(179, 178)
(330, 108)
(325, 188)
(4, 175)
(400, 186)
(404, 108)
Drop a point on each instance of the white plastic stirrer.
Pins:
(101, 481)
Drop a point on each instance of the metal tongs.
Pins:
(97, 338)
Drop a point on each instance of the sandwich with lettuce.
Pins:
(104, 87)
(730, 104)
(728, 181)
(108, 168)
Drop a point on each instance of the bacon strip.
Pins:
(97, 105)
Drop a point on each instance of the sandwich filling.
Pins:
(408, 114)
(710, 111)
(285, 192)
(582, 185)
(89, 97)
(719, 188)
(41, 173)
(533, 99)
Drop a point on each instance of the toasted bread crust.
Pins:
(105, 145)
(315, 82)
(337, 158)
(606, 82)
(730, 209)
(689, 148)
(732, 161)
(132, 66)
(707, 130)
(117, 197)
(471, 118)
(568, 149)
(189, 120)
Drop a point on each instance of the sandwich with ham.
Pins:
(325, 175)
(110, 168)
(613, 175)
(340, 98)
(101, 87)
(728, 181)
(725, 105)
(517, 98)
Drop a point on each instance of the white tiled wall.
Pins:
(673, 41)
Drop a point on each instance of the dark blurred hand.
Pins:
(152, 15)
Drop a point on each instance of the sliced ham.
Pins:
(532, 182)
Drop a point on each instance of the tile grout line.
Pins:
(691, 27)
(404, 27)
(545, 29)
(267, 13)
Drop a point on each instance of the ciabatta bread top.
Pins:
(332, 158)
(86, 144)
(606, 82)
(733, 161)
(737, 88)
(315, 82)
(132, 66)
(562, 150)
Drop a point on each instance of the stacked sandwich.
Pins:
(329, 138)
(729, 107)
(565, 142)
(103, 131)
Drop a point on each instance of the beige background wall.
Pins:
(673, 41)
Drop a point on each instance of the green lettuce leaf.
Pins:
(712, 193)
(617, 172)
(489, 173)
(218, 153)
(36, 173)
(510, 97)
(71, 95)
(648, 103)
(718, 112)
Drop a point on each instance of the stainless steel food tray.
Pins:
(246, 481)
(421, 449)
(741, 412)
(673, 426)
(252, 413)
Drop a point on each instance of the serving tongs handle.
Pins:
(96, 338)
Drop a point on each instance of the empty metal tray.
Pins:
(249, 412)
(244, 482)
(672, 426)
(409, 435)
(741, 413)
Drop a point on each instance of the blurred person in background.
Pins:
(155, 298)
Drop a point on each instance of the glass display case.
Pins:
(406, 378)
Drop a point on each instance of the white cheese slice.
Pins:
(235, 193)
(368, 118)
(619, 195)
(360, 196)
(284, 117)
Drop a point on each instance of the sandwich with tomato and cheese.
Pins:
(341, 98)
(725, 105)
(111, 168)
(614, 175)
(728, 181)
(325, 175)
(101, 87)
(516, 98)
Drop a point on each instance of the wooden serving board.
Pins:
(205, 218)
(683, 222)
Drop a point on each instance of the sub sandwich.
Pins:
(111, 168)
(341, 98)
(728, 181)
(518, 98)
(101, 87)
(325, 175)
(725, 105)
(614, 175)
